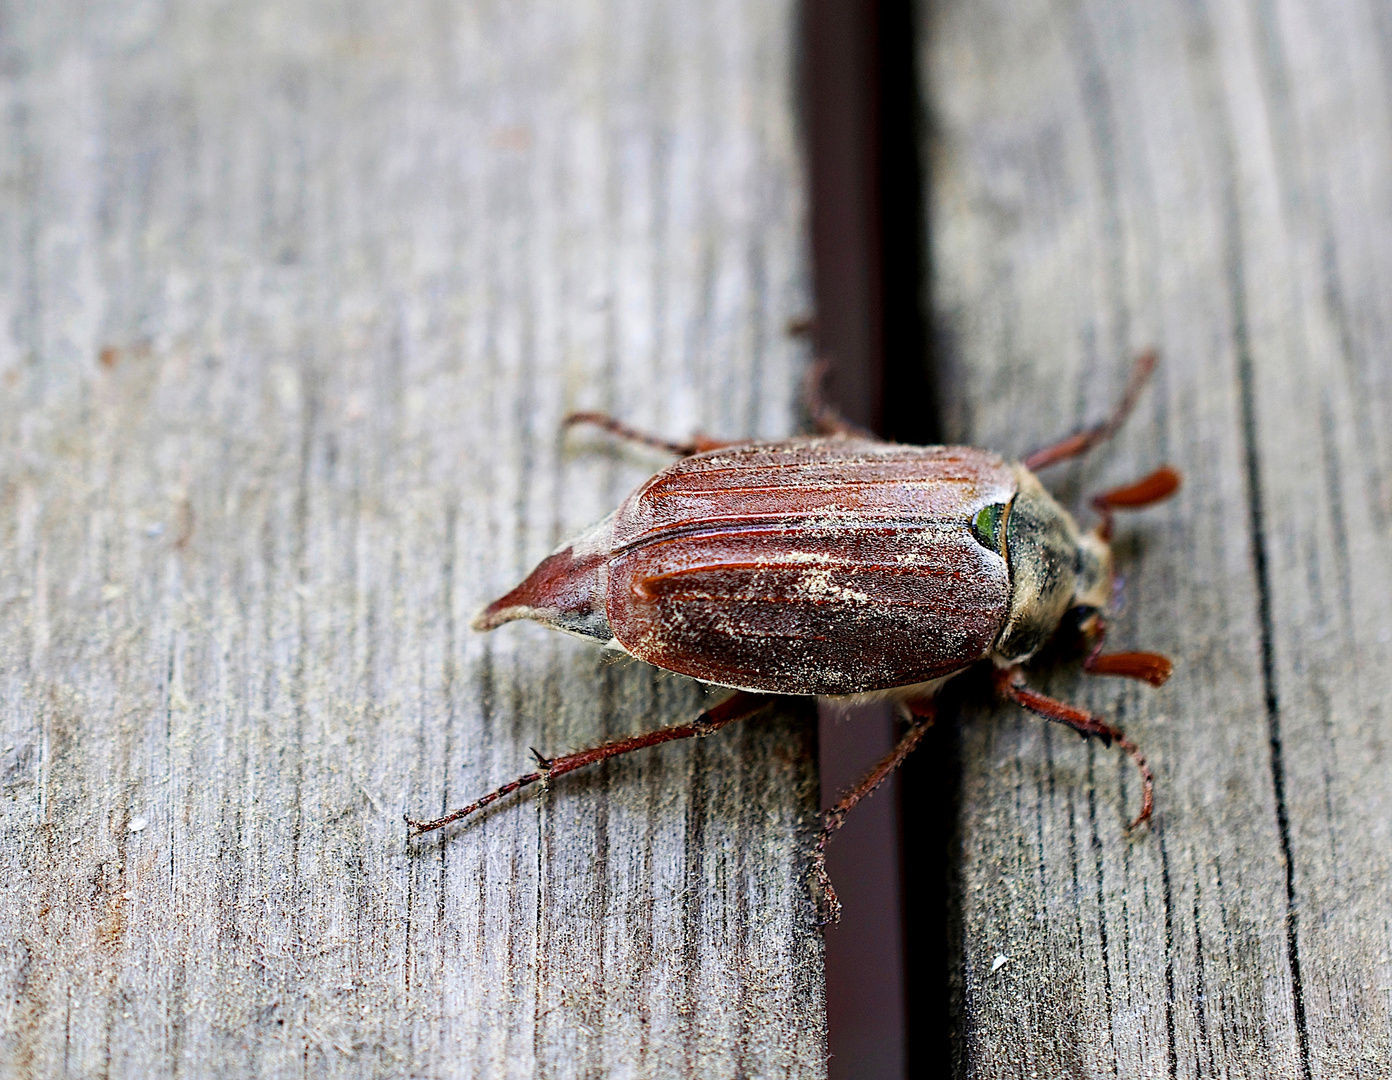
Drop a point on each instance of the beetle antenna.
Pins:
(1080, 442)
(740, 705)
(1146, 491)
(1146, 666)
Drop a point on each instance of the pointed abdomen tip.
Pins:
(562, 592)
(496, 613)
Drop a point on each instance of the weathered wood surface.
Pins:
(294, 298)
(1214, 179)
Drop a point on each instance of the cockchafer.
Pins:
(839, 565)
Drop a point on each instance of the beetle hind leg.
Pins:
(737, 707)
(1085, 724)
(697, 444)
(921, 713)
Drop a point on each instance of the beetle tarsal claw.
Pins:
(703, 726)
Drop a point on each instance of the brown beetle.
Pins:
(838, 565)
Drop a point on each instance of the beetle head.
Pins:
(1053, 567)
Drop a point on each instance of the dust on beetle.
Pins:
(838, 565)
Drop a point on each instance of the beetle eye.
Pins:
(986, 526)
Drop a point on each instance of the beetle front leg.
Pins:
(1010, 684)
(1081, 442)
(921, 713)
(736, 707)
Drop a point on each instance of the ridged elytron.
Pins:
(839, 565)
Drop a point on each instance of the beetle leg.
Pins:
(736, 707)
(921, 712)
(1085, 724)
(1147, 491)
(698, 443)
(825, 416)
(1080, 442)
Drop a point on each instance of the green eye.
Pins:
(986, 526)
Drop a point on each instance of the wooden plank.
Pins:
(1317, 234)
(1211, 179)
(296, 295)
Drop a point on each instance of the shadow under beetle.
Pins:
(839, 565)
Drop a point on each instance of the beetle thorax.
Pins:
(1054, 566)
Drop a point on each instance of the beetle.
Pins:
(839, 565)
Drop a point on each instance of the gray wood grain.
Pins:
(294, 297)
(1214, 179)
